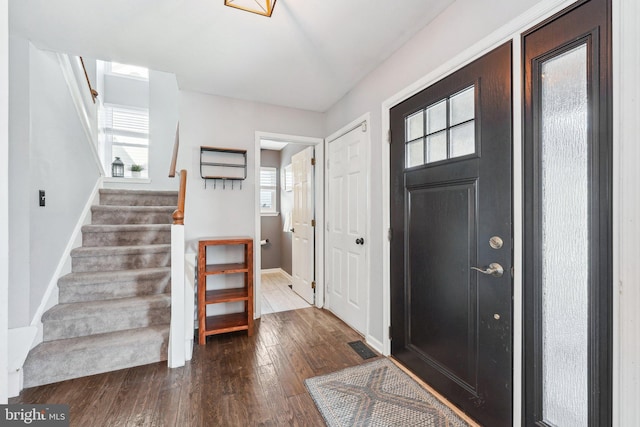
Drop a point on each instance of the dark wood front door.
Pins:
(451, 212)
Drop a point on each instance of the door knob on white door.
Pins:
(494, 270)
(360, 241)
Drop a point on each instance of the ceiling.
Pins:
(308, 55)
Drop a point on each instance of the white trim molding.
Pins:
(318, 143)
(626, 212)
(4, 195)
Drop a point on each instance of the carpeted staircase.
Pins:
(114, 307)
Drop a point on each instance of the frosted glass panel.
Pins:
(462, 140)
(462, 106)
(415, 126)
(437, 147)
(415, 153)
(437, 117)
(565, 238)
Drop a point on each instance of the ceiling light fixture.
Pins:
(261, 7)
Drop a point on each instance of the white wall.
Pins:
(161, 97)
(458, 27)
(223, 122)
(19, 189)
(58, 160)
(4, 196)
(125, 91)
(626, 230)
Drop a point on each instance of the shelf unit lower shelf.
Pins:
(223, 323)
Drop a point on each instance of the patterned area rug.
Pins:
(378, 393)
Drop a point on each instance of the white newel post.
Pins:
(177, 340)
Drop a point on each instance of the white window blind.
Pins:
(268, 185)
(127, 134)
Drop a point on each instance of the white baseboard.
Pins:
(14, 383)
(375, 344)
(276, 270)
(20, 340)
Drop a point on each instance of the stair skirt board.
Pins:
(114, 309)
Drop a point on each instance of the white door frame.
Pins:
(366, 120)
(318, 143)
(4, 210)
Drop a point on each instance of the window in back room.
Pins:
(268, 185)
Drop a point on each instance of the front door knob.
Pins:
(360, 241)
(494, 270)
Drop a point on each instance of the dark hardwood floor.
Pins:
(233, 380)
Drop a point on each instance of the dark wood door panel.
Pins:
(451, 325)
(441, 313)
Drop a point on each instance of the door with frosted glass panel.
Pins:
(567, 218)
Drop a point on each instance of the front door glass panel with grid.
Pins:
(441, 131)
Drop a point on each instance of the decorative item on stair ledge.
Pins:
(117, 168)
(135, 170)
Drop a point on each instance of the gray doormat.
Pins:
(378, 393)
(362, 349)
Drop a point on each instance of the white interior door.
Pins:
(347, 203)
(302, 247)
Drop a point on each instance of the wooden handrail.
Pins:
(94, 93)
(178, 214)
(174, 158)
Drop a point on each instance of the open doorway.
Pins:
(279, 284)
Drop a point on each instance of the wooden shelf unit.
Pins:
(211, 325)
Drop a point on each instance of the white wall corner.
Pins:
(191, 313)
(177, 338)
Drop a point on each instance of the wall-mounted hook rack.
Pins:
(225, 164)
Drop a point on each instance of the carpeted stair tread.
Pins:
(65, 359)
(101, 285)
(98, 317)
(117, 258)
(111, 228)
(138, 197)
(92, 251)
(109, 215)
(93, 277)
(125, 234)
(80, 310)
